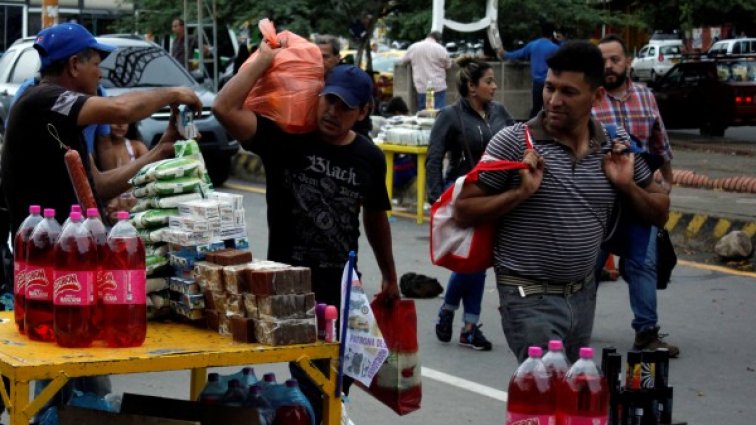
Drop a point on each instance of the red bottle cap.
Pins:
(331, 313)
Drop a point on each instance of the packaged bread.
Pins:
(290, 306)
(212, 319)
(250, 305)
(242, 329)
(234, 279)
(280, 281)
(234, 305)
(230, 257)
(285, 332)
(209, 275)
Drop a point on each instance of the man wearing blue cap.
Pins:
(317, 182)
(52, 114)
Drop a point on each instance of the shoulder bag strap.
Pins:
(466, 147)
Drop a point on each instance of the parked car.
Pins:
(655, 59)
(134, 66)
(708, 94)
(737, 46)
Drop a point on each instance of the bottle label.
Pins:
(19, 279)
(514, 418)
(124, 286)
(38, 282)
(584, 420)
(73, 288)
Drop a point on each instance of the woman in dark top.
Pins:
(462, 130)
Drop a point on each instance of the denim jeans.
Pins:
(439, 100)
(468, 288)
(536, 319)
(641, 283)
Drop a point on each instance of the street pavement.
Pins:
(707, 313)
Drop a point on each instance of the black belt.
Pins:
(527, 287)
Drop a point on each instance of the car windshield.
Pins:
(384, 64)
(670, 50)
(736, 71)
(148, 66)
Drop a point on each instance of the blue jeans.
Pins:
(641, 282)
(468, 288)
(439, 100)
(536, 319)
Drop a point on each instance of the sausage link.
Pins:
(79, 179)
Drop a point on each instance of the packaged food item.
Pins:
(291, 306)
(157, 217)
(153, 263)
(166, 169)
(152, 235)
(209, 275)
(202, 208)
(242, 329)
(250, 305)
(188, 224)
(234, 305)
(234, 279)
(168, 187)
(285, 332)
(183, 285)
(160, 249)
(155, 284)
(212, 319)
(229, 257)
(280, 281)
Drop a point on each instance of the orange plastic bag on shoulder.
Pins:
(287, 92)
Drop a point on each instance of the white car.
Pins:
(655, 59)
(737, 46)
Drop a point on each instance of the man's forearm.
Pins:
(112, 183)
(378, 232)
(135, 106)
(651, 205)
(666, 172)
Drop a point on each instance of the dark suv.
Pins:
(710, 94)
(135, 65)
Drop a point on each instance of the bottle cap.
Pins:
(330, 313)
(93, 212)
(292, 383)
(586, 353)
(234, 383)
(269, 377)
(535, 351)
(213, 377)
(122, 215)
(76, 208)
(49, 212)
(247, 370)
(556, 345)
(76, 215)
(255, 389)
(34, 209)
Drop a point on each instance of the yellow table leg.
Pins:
(389, 177)
(197, 383)
(331, 401)
(19, 401)
(420, 187)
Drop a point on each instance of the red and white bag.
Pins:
(465, 249)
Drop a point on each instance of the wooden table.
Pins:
(168, 347)
(390, 149)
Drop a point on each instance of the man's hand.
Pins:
(187, 96)
(389, 291)
(533, 175)
(266, 53)
(500, 53)
(619, 166)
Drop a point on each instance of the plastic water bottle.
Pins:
(213, 392)
(73, 285)
(96, 228)
(269, 379)
(256, 400)
(294, 395)
(235, 395)
(430, 102)
(40, 264)
(249, 377)
(556, 362)
(531, 395)
(124, 297)
(583, 396)
(19, 263)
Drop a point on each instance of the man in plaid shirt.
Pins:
(633, 107)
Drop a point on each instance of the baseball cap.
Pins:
(62, 41)
(351, 84)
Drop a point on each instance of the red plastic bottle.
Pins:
(583, 395)
(19, 263)
(124, 296)
(40, 263)
(556, 361)
(531, 395)
(73, 287)
(96, 228)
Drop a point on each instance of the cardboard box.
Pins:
(70, 415)
(185, 410)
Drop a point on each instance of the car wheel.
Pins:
(218, 168)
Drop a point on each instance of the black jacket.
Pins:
(447, 136)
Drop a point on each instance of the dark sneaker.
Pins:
(650, 339)
(444, 325)
(474, 339)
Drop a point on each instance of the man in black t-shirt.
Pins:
(317, 184)
(49, 118)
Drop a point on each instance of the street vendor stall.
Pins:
(168, 347)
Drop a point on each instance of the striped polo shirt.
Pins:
(556, 233)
